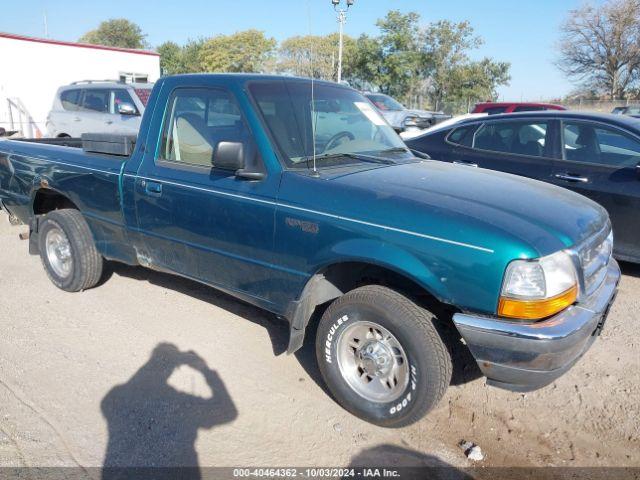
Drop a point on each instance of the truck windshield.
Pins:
(343, 122)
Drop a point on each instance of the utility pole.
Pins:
(342, 19)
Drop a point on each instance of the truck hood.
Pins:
(475, 206)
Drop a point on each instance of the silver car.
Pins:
(98, 107)
(403, 119)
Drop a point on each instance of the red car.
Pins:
(493, 108)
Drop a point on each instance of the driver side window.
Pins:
(195, 122)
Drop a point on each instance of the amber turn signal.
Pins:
(536, 309)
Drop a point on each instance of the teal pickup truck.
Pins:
(297, 196)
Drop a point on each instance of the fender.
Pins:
(390, 257)
(319, 289)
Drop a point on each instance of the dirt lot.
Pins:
(92, 377)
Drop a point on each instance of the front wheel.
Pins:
(68, 251)
(381, 356)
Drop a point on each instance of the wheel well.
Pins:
(64, 135)
(338, 279)
(46, 201)
(350, 275)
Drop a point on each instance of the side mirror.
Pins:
(232, 156)
(229, 156)
(127, 109)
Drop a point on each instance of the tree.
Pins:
(314, 56)
(170, 58)
(246, 51)
(412, 63)
(176, 59)
(392, 62)
(363, 71)
(404, 61)
(473, 81)
(600, 46)
(453, 76)
(117, 32)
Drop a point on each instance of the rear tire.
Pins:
(68, 251)
(381, 357)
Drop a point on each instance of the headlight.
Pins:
(411, 122)
(535, 289)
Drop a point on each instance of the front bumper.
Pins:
(527, 356)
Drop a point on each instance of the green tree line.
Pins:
(421, 65)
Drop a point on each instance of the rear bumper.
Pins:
(527, 356)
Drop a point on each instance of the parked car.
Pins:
(446, 123)
(229, 186)
(401, 118)
(596, 155)
(628, 110)
(495, 108)
(98, 107)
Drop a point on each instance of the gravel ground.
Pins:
(124, 374)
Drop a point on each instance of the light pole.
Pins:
(342, 19)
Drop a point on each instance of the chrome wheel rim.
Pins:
(59, 252)
(373, 362)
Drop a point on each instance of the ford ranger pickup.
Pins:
(297, 196)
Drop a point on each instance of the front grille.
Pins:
(594, 256)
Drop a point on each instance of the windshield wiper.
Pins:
(395, 150)
(418, 154)
(415, 153)
(355, 156)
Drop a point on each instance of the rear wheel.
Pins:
(68, 251)
(381, 356)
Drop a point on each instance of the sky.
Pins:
(524, 33)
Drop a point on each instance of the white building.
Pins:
(34, 68)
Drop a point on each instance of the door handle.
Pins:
(467, 164)
(77, 119)
(152, 188)
(109, 122)
(571, 178)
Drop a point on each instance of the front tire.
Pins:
(68, 251)
(381, 357)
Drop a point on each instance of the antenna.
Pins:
(314, 119)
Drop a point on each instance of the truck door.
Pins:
(196, 219)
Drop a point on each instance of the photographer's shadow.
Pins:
(152, 424)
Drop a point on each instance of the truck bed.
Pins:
(90, 180)
(103, 143)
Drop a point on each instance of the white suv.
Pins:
(98, 107)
